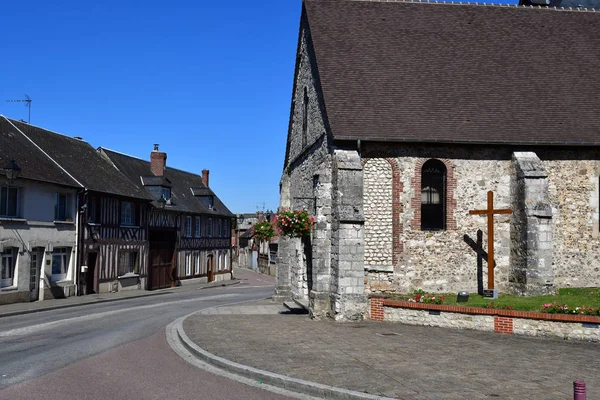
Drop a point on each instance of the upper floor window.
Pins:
(128, 262)
(127, 213)
(60, 263)
(93, 210)
(304, 117)
(166, 193)
(62, 208)
(210, 202)
(197, 227)
(220, 227)
(188, 226)
(433, 195)
(9, 201)
(8, 268)
(210, 227)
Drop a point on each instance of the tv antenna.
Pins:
(263, 207)
(27, 102)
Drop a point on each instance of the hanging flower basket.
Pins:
(263, 231)
(294, 223)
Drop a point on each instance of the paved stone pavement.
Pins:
(395, 360)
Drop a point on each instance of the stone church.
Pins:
(405, 114)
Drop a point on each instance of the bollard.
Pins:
(578, 390)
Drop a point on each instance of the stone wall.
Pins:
(304, 266)
(446, 261)
(442, 319)
(378, 213)
(574, 330)
(573, 192)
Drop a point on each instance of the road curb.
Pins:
(58, 307)
(285, 382)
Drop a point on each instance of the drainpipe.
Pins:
(81, 195)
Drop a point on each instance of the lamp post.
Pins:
(12, 170)
(239, 222)
(162, 202)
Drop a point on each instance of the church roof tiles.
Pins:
(423, 72)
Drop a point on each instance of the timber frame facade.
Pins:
(189, 235)
(115, 243)
(80, 220)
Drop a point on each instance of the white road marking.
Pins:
(48, 325)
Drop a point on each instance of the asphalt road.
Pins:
(117, 350)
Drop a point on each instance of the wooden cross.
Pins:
(490, 228)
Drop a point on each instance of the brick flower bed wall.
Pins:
(564, 326)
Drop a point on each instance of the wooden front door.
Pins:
(210, 268)
(161, 256)
(34, 274)
(160, 262)
(91, 279)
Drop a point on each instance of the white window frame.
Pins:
(197, 226)
(196, 262)
(4, 197)
(188, 263)
(210, 227)
(7, 275)
(127, 213)
(188, 226)
(166, 193)
(131, 257)
(62, 253)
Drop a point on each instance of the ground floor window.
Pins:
(60, 263)
(128, 262)
(196, 262)
(188, 263)
(8, 268)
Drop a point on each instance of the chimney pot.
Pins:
(205, 174)
(158, 161)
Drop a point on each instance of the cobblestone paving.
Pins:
(394, 360)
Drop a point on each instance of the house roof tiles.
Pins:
(32, 160)
(420, 72)
(76, 162)
(181, 182)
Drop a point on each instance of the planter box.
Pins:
(564, 326)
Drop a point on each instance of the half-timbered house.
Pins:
(109, 215)
(189, 227)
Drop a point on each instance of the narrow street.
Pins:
(117, 350)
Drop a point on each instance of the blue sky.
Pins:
(209, 80)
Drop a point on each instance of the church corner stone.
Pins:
(348, 301)
(531, 270)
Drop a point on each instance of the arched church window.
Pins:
(433, 196)
(304, 117)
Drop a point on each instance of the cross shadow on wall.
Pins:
(482, 256)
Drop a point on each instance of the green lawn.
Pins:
(573, 297)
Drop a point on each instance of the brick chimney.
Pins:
(261, 216)
(205, 173)
(158, 161)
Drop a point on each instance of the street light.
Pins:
(162, 202)
(12, 170)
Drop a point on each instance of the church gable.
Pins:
(307, 126)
